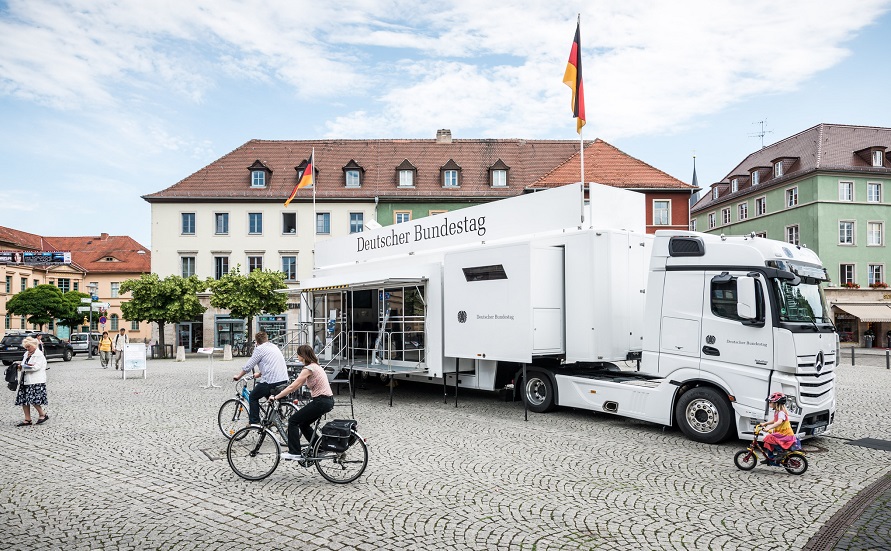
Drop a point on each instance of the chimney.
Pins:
(443, 135)
(103, 237)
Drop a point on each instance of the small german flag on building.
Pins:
(573, 78)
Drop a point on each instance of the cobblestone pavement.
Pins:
(139, 464)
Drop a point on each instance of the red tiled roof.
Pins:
(90, 252)
(607, 165)
(229, 177)
(23, 240)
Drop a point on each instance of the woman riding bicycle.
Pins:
(322, 402)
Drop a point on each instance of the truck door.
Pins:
(736, 350)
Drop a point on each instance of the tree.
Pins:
(69, 316)
(42, 304)
(162, 301)
(246, 296)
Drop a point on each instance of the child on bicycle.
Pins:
(781, 436)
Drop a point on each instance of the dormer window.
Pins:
(450, 174)
(406, 174)
(778, 169)
(301, 168)
(715, 192)
(260, 174)
(756, 178)
(734, 185)
(498, 174)
(352, 174)
(878, 158)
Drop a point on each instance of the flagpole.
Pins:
(582, 174)
(315, 222)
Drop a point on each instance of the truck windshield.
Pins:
(801, 303)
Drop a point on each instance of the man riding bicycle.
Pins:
(273, 372)
(322, 402)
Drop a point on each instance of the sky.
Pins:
(103, 101)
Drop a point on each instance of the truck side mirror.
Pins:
(746, 298)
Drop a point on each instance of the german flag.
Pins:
(573, 78)
(306, 180)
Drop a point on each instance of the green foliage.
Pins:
(69, 316)
(161, 301)
(246, 296)
(40, 304)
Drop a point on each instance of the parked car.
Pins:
(79, 342)
(11, 349)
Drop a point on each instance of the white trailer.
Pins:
(680, 328)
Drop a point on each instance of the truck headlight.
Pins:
(792, 405)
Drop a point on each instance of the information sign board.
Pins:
(134, 358)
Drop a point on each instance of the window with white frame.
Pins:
(876, 274)
(289, 223)
(221, 223)
(661, 213)
(792, 196)
(874, 192)
(352, 178)
(792, 235)
(743, 211)
(258, 178)
(846, 232)
(499, 178)
(778, 169)
(756, 178)
(734, 185)
(693, 225)
(725, 216)
(289, 267)
(187, 264)
(878, 157)
(874, 234)
(401, 216)
(188, 223)
(846, 191)
(711, 220)
(357, 222)
(134, 325)
(715, 192)
(450, 178)
(760, 206)
(762, 234)
(115, 289)
(406, 178)
(115, 322)
(323, 222)
(220, 266)
(255, 262)
(846, 273)
(255, 223)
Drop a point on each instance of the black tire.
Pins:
(95, 350)
(795, 463)
(67, 355)
(343, 467)
(538, 391)
(745, 460)
(232, 417)
(704, 415)
(253, 453)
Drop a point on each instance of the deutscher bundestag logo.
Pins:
(462, 316)
(819, 363)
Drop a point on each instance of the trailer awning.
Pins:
(334, 283)
(867, 312)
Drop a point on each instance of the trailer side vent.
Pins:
(686, 246)
(484, 273)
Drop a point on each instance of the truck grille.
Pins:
(815, 387)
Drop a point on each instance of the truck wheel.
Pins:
(704, 415)
(538, 391)
(67, 356)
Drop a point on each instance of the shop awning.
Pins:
(867, 312)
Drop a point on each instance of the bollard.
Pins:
(227, 353)
(887, 359)
(852, 355)
(180, 353)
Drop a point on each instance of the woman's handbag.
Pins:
(12, 376)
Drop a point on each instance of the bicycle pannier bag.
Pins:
(336, 435)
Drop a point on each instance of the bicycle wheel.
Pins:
(233, 415)
(343, 467)
(253, 453)
(745, 460)
(795, 463)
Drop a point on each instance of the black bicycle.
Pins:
(338, 451)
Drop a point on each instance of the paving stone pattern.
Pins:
(127, 464)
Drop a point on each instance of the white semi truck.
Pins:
(681, 328)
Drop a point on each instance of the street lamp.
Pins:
(93, 288)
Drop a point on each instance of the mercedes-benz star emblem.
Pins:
(819, 363)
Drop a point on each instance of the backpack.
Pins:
(337, 435)
(12, 377)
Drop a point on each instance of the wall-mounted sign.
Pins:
(35, 258)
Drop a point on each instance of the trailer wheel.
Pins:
(538, 391)
(704, 415)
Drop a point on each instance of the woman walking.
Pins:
(105, 350)
(32, 391)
